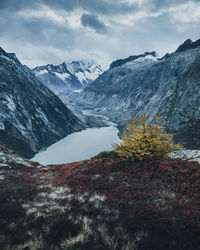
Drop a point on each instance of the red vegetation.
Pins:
(161, 197)
(157, 202)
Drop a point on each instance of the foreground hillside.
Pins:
(101, 204)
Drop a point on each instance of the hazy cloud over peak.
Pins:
(52, 31)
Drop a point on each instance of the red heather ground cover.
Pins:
(155, 202)
(160, 197)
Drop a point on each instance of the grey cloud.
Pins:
(27, 34)
(99, 7)
(103, 7)
(35, 31)
(13, 5)
(93, 22)
(155, 5)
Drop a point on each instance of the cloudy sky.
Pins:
(53, 31)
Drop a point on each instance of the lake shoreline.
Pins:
(79, 146)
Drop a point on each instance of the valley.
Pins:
(63, 195)
(99, 125)
(141, 84)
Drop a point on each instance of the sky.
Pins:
(42, 32)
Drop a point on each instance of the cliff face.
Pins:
(168, 86)
(31, 116)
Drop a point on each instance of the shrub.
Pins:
(106, 154)
(142, 140)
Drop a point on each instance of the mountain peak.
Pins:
(153, 53)
(75, 74)
(188, 44)
(120, 62)
(10, 56)
(82, 63)
(2, 52)
(188, 41)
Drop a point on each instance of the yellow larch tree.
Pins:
(142, 139)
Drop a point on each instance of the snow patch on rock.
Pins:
(190, 155)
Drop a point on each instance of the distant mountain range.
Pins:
(31, 116)
(67, 80)
(74, 75)
(169, 86)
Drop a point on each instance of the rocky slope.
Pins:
(31, 116)
(169, 86)
(189, 155)
(9, 158)
(101, 204)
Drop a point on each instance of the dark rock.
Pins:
(31, 116)
(188, 44)
(169, 86)
(120, 62)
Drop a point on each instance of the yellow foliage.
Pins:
(142, 140)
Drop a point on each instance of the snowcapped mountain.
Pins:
(67, 80)
(147, 84)
(31, 116)
(74, 75)
(133, 60)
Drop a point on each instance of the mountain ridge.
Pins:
(120, 62)
(76, 74)
(31, 116)
(188, 44)
(168, 86)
